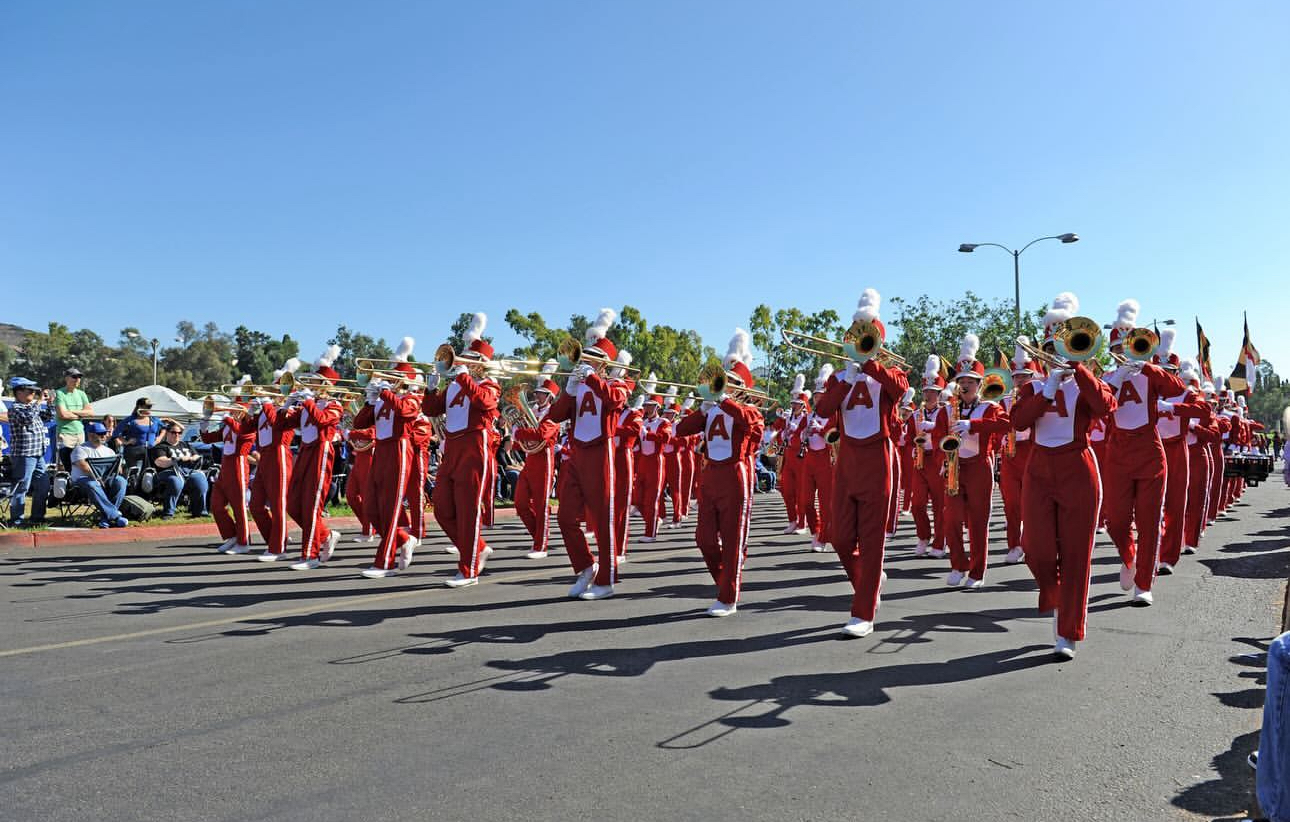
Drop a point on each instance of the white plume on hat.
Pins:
(475, 331)
(670, 396)
(867, 308)
(799, 385)
(932, 367)
(1240, 400)
(1019, 356)
(968, 346)
(821, 378)
(949, 391)
(1126, 314)
(639, 402)
(288, 367)
(1063, 307)
(246, 380)
(404, 351)
(620, 370)
(688, 403)
(650, 384)
(327, 357)
(740, 349)
(1166, 348)
(550, 367)
(600, 328)
(1189, 371)
(909, 396)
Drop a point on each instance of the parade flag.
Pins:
(1244, 375)
(1202, 352)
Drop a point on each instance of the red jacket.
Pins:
(1062, 423)
(731, 430)
(591, 410)
(465, 405)
(237, 436)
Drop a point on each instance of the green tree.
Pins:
(259, 355)
(353, 345)
(458, 330)
(204, 359)
(925, 326)
(1267, 402)
(778, 362)
(541, 340)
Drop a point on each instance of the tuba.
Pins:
(1140, 344)
(997, 382)
(1078, 339)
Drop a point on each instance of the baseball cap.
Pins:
(95, 428)
(73, 372)
(22, 382)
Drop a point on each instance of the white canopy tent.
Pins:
(165, 403)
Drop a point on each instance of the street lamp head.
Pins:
(134, 335)
(968, 248)
(1068, 238)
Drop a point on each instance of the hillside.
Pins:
(11, 335)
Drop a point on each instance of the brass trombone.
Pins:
(718, 381)
(1141, 344)
(572, 353)
(997, 382)
(860, 337)
(1078, 339)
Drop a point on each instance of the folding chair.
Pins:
(75, 506)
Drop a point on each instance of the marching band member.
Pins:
(418, 433)
(1215, 454)
(1201, 431)
(864, 397)
(685, 454)
(1230, 428)
(236, 434)
(316, 419)
(390, 411)
(925, 484)
(268, 503)
(905, 452)
(788, 433)
(655, 433)
(1061, 491)
(533, 488)
(626, 444)
(468, 404)
(1136, 470)
(591, 405)
(358, 492)
(1016, 452)
(817, 473)
(669, 408)
(976, 424)
(898, 478)
(731, 431)
(1172, 424)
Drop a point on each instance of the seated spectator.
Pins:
(138, 432)
(106, 493)
(27, 426)
(113, 442)
(178, 473)
(72, 407)
(509, 463)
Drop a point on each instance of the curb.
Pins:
(17, 540)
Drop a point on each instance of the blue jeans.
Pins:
(29, 474)
(1274, 740)
(171, 486)
(106, 499)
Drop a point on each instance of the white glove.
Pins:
(256, 406)
(305, 394)
(706, 406)
(926, 425)
(432, 382)
(852, 373)
(720, 398)
(378, 386)
(456, 371)
(583, 371)
(439, 369)
(1165, 407)
(962, 427)
(1051, 384)
(572, 382)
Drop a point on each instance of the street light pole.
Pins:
(968, 248)
(154, 343)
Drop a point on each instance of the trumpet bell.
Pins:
(997, 382)
(863, 340)
(1140, 344)
(1078, 339)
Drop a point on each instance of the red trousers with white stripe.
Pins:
(1215, 480)
(1011, 471)
(269, 497)
(1199, 468)
(533, 495)
(1060, 500)
(672, 479)
(414, 495)
(587, 489)
(1099, 451)
(687, 481)
(1135, 496)
(307, 495)
(893, 505)
(929, 487)
(906, 455)
(229, 492)
(624, 482)
(817, 488)
(358, 489)
(650, 477)
(790, 479)
(390, 469)
(722, 530)
(861, 496)
(462, 491)
(970, 506)
(1177, 482)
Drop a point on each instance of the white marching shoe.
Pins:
(891, 535)
(1189, 549)
(817, 546)
(461, 581)
(379, 573)
(971, 584)
(1127, 573)
(802, 530)
(229, 543)
(483, 557)
(647, 538)
(1014, 556)
(239, 549)
(1064, 647)
(451, 550)
(721, 609)
(791, 528)
(406, 550)
(634, 512)
(362, 538)
(306, 565)
(955, 578)
(597, 592)
(583, 582)
(325, 552)
(269, 556)
(920, 548)
(937, 553)
(857, 627)
(1164, 569)
(622, 559)
(535, 555)
(1141, 597)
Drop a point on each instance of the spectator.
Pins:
(113, 442)
(27, 469)
(107, 493)
(72, 406)
(138, 432)
(179, 473)
(509, 463)
(1273, 779)
(1278, 442)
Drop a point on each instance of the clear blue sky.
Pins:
(292, 165)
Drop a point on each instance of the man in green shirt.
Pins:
(72, 406)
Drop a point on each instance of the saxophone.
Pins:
(1010, 444)
(920, 439)
(949, 444)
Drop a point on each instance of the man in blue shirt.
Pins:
(28, 422)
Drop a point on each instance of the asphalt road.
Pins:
(172, 683)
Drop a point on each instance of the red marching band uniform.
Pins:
(317, 420)
(1016, 453)
(236, 435)
(655, 433)
(925, 484)
(626, 440)
(1172, 425)
(788, 431)
(268, 503)
(816, 490)
(533, 488)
